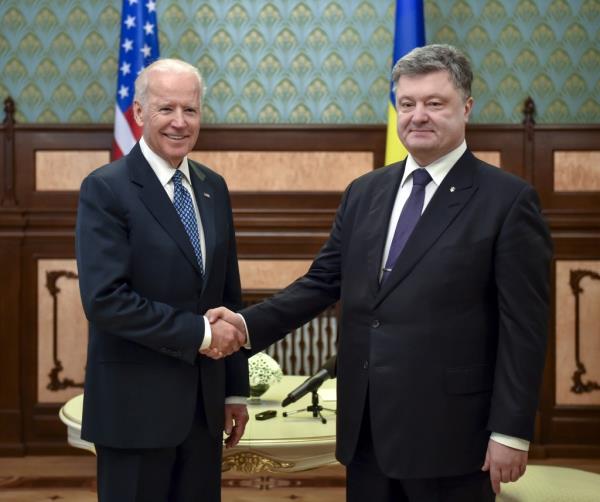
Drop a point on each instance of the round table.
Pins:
(281, 444)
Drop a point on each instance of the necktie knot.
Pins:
(177, 177)
(421, 177)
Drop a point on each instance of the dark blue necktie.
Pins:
(182, 201)
(411, 212)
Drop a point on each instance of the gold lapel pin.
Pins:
(452, 189)
(207, 195)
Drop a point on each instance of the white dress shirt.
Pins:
(438, 171)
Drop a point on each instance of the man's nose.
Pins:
(177, 119)
(420, 114)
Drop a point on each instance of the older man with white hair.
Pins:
(155, 250)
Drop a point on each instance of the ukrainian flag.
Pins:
(409, 33)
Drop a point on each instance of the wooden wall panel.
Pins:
(569, 210)
(37, 229)
(11, 409)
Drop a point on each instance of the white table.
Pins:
(295, 443)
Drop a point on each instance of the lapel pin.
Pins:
(207, 195)
(452, 189)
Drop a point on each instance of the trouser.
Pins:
(365, 481)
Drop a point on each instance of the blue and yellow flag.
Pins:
(409, 33)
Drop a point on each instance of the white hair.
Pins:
(166, 65)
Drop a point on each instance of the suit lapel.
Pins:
(378, 218)
(205, 198)
(156, 200)
(450, 198)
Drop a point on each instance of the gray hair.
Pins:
(433, 58)
(166, 65)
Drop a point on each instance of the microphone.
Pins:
(312, 383)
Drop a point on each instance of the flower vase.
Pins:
(256, 391)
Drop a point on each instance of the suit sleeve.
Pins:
(305, 298)
(236, 365)
(104, 259)
(522, 268)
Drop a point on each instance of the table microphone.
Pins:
(313, 382)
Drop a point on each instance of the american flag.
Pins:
(138, 48)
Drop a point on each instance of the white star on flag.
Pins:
(151, 6)
(125, 68)
(131, 2)
(149, 28)
(127, 45)
(130, 22)
(123, 92)
(146, 50)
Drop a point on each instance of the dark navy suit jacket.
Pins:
(144, 296)
(451, 346)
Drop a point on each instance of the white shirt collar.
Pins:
(439, 168)
(163, 170)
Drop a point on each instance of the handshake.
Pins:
(228, 333)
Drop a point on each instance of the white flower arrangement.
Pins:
(264, 370)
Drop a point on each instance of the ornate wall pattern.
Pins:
(303, 61)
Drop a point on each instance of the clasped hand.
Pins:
(228, 333)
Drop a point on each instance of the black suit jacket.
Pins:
(144, 296)
(452, 345)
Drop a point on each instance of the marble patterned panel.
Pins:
(271, 274)
(64, 170)
(491, 157)
(577, 171)
(287, 171)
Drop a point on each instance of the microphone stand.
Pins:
(315, 408)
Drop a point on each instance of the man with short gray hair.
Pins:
(441, 266)
(156, 249)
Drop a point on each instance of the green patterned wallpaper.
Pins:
(303, 61)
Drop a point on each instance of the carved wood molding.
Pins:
(254, 463)
(579, 386)
(7, 197)
(55, 383)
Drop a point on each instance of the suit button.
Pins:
(366, 365)
(375, 324)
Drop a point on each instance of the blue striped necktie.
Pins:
(411, 212)
(182, 201)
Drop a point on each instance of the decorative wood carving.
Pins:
(579, 386)
(253, 463)
(8, 195)
(55, 383)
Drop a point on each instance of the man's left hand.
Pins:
(505, 464)
(236, 418)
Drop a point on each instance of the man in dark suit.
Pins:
(155, 250)
(441, 264)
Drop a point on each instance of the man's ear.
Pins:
(137, 113)
(468, 108)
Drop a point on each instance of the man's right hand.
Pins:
(228, 333)
(227, 338)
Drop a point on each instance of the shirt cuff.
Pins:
(510, 441)
(247, 345)
(236, 400)
(207, 335)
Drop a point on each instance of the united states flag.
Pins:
(138, 48)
